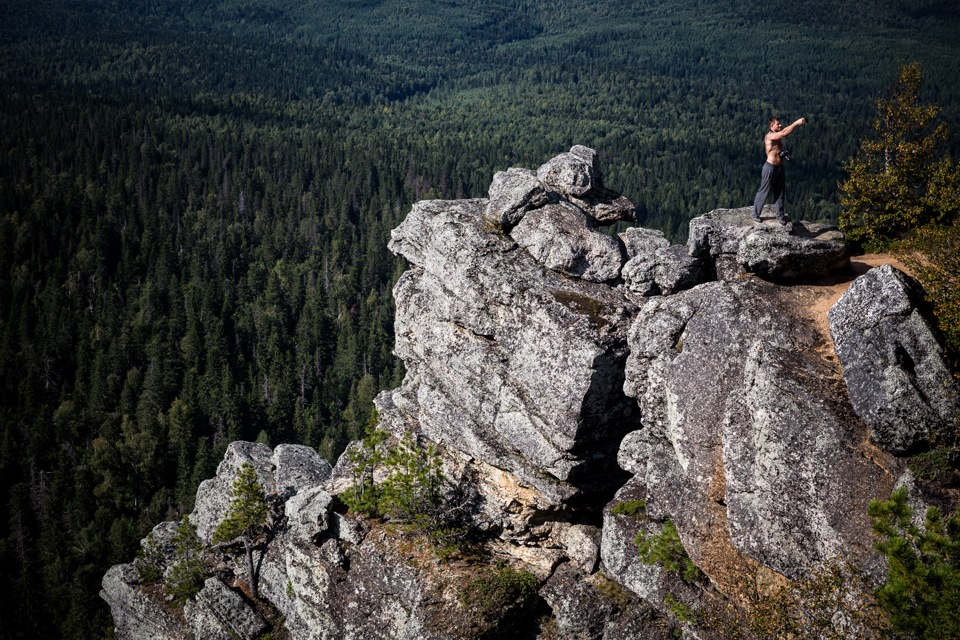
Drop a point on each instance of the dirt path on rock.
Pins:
(816, 298)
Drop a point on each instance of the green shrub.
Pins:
(629, 508)
(933, 256)
(666, 549)
(922, 591)
(498, 589)
(937, 466)
(188, 572)
(150, 560)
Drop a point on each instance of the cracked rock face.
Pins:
(744, 431)
(507, 361)
(219, 612)
(892, 361)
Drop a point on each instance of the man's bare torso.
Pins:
(773, 148)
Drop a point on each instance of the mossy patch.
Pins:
(580, 303)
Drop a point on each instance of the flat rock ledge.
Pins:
(737, 245)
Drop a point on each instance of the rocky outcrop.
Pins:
(655, 267)
(893, 361)
(508, 361)
(737, 245)
(584, 392)
(746, 432)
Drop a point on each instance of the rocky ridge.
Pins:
(565, 374)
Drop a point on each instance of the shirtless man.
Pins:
(772, 176)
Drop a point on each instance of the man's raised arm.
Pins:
(783, 133)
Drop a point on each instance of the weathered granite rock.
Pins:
(605, 206)
(736, 244)
(621, 557)
(559, 236)
(138, 614)
(779, 256)
(308, 512)
(744, 430)
(892, 361)
(214, 495)
(582, 543)
(512, 194)
(595, 608)
(377, 596)
(507, 361)
(665, 270)
(573, 173)
(298, 466)
(219, 612)
(639, 241)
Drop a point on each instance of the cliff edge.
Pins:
(588, 396)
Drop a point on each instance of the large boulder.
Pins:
(512, 194)
(788, 257)
(507, 361)
(605, 206)
(893, 361)
(663, 271)
(745, 432)
(574, 173)
(560, 237)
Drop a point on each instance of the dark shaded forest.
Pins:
(195, 202)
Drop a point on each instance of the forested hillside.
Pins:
(195, 201)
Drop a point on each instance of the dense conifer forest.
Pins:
(195, 202)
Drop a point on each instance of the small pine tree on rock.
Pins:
(246, 518)
(188, 572)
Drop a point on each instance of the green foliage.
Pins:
(187, 572)
(903, 178)
(680, 611)
(612, 591)
(666, 549)
(246, 518)
(629, 508)
(248, 508)
(497, 590)
(364, 496)
(937, 466)
(933, 255)
(150, 560)
(412, 479)
(922, 591)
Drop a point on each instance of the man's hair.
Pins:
(772, 120)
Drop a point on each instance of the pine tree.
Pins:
(922, 591)
(186, 575)
(903, 177)
(246, 517)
